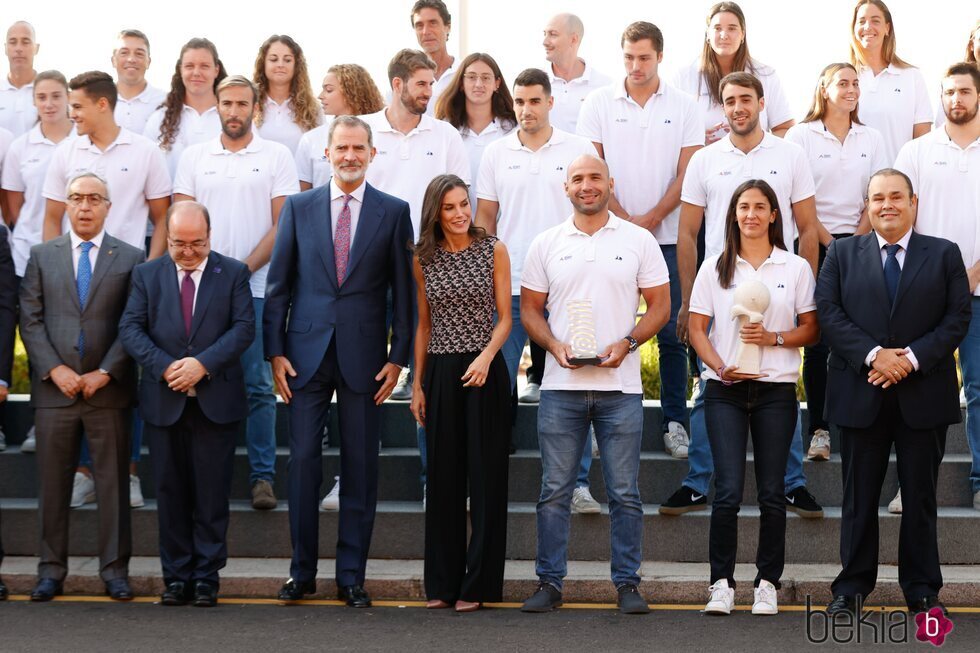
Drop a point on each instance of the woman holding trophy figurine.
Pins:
(752, 309)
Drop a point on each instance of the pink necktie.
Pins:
(187, 300)
(341, 241)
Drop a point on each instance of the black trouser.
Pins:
(768, 411)
(535, 373)
(864, 454)
(467, 431)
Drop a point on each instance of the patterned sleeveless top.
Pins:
(459, 289)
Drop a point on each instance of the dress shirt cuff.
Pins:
(871, 355)
(912, 359)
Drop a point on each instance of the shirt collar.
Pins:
(449, 72)
(379, 123)
(768, 140)
(941, 136)
(269, 102)
(584, 78)
(570, 229)
(199, 268)
(142, 97)
(903, 241)
(778, 256)
(620, 92)
(5, 85)
(255, 145)
(336, 193)
(188, 107)
(514, 141)
(76, 240)
(817, 126)
(125, 137)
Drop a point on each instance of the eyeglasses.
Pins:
(473, 77)
(193, 245)
(93, 199)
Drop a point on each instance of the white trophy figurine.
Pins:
(581, 324)
(751, 302)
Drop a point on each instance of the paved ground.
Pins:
(99, 626)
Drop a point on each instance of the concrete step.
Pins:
(664, 584)
(398, 427)
(399, 529)
(660, 476)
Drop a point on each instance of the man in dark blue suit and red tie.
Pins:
(893, 305)
(339, 250)
(188, 321)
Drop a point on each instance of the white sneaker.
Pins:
(423, 496)
(976, 500)
(819, 446)
(3, 441)
(135, 492)
(83, 490)
(765, 599)
(676, 440)
(332, 500)
(531, 394)
(895, 506)
(583, 503)
(722, 598)
(403, 389)
(963, 397)
(594, 443)
(29, 445)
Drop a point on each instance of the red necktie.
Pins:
(187, 300)
(341, 241)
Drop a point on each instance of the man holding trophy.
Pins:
(589, 273)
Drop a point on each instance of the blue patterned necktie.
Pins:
(892, 272)
(82, 281)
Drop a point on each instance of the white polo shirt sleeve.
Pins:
(534, 276)
(777, 106)
(701, 301)
(157, 184)
(184, 177)
(923, 108)
(57, 176)
(152, 128)
(458, 162)
(486, 185)
(879, 154)
(11, 178)
(907, 161)
(589, 119)
(285, 179)
(805, 287)
(653, 270)
(304, 157)
(803, 185)
(693, 190)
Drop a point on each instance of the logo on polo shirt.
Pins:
(210, 172)
(824, 156)
(864, 155)
(560, 168)
(429, 154)
(725, 173)
(779, 285)
(773, 172)
(619, 258)
(124, 169)
(382, 152)
(565, 258)
(622, 119)
(515, 166)
(667, 121)
(939, 163)
(255, 170)
(898, 90)
(34, 160)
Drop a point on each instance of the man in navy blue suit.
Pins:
(188, 321)
(339, 249)
(893, 305)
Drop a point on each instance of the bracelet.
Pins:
(721, 376)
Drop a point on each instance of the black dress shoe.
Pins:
(294, 590)
(118, 589)
(3, 591)
(842, 603)
(46, 589)
(355, 596)
(926, 604)
(177, 593)
(205, 594)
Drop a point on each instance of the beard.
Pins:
(350, 175)
(595, 208)
(416, 106)
(963, 119)
(235, 132)
(748, 129)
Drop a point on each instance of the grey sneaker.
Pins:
(583, 502)
(29, 445)
(545, 599)
(531, 394)
(403, 390)
(263, 498)
(976, 500)
(630, 601)
(676, 440)
(819, 446)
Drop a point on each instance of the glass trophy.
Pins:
(581, 323)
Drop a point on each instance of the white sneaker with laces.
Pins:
(819, 446)
(531, 394)
(583, 502)
(765, 599)
(895, 505)
(29, 445)
(82, 491)
(403, 389)
(722, 598)
(135, 492)
(332, 500)
(676, 440)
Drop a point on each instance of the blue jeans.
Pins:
(85, 456)
(970, 366)
(564, 417)
(512, 351)
(673, 353)
(771, 411)
(260, 427)
(701, 466)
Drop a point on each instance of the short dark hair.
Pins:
(643, 30)
(746, 80)
(189, 204)
(534, 77)
(964, 68)
(97, 85)
(404, 64)
(136, 34)
(890, 172)
(438, 5)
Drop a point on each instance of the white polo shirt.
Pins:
(717, 170)
(406, 163)
(840, 170)
(607, 268)
(476, 144)
(133, 114)
(134, 169)
(777, 109)
(6, 138)
(438, 87)
(194, 128)
(892, 102)
(279, 123)
(17, 111)
(238, 188)
(24, 171)
(790, 282)
(569, 95)
(312, 164)
(629, 134)
(530, 189)
(947, 181)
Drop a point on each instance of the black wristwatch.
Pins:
(634, 345)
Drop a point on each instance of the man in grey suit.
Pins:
(72, 297)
